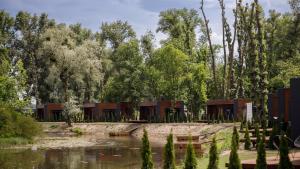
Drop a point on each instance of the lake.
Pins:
(111, 153)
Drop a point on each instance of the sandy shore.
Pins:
(59, 135)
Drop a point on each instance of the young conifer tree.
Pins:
(213, 155)
(236, 136)
(257, 134)
(261, 162)
(146, 152)
(247, 144)
(284, 162)
(169, 153)
(234, 160)
(190, 157)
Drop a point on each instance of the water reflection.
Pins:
(118, 153)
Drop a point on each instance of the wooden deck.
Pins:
(253, 130)
(272, 162)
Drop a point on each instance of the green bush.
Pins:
(14, 124)
(28, 127)
(77, 130)
(6, 123)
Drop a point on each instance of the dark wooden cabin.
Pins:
(50, 112)
(228, 109)
(89, 113)
(273, 106)
(127, 111)
(167, 115)
(284, 97)
(149, 111)
(161, 111)
(109, 112)
(295, 107)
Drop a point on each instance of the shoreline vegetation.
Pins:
(17, 128)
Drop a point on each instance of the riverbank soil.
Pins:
(59, 135)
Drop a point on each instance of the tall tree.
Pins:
(212, 51)
(27, 44)
(117, 32)
(263, 83)
(63, 64)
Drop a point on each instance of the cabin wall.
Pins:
(295, 107)
(284, 103)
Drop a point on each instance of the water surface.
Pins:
(112, 153)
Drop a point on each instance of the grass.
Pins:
(14, 141)
(54, 126)
(223, 159)
(77, 131)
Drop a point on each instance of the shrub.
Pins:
(190, 161)
(6, 122)
(236, 136)
(146, 152)
(14, 124)
(234, 160)
(77, 131)
(284, 162)
(169, 153)
(247, 139)
(261, 155)
(213, 155)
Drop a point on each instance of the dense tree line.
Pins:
(61, 62)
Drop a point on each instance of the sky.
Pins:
(143, 15)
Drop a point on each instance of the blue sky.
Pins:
(141, 14)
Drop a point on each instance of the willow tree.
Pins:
(58, 48)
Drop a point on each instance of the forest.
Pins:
(46, 61)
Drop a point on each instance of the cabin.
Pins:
(167, 115)
(149, 111)
(162, 111)
(127, 111)
(272, 104)
(89, 113)
(294, 109)
(108, 112)
(50, 112)
(285, 106)
(229, 109)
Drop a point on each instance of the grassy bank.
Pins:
(11, 141)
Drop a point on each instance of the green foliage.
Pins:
(234, 160)
(247, 139)
(257, 133)
(235, 136)
(14, 124)
(146, 152)
(190, 161)
(117, 32)
(261, 162)
(77, 131)
(284, 162)
(213, 155)
(169, 154)
(71, 111)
